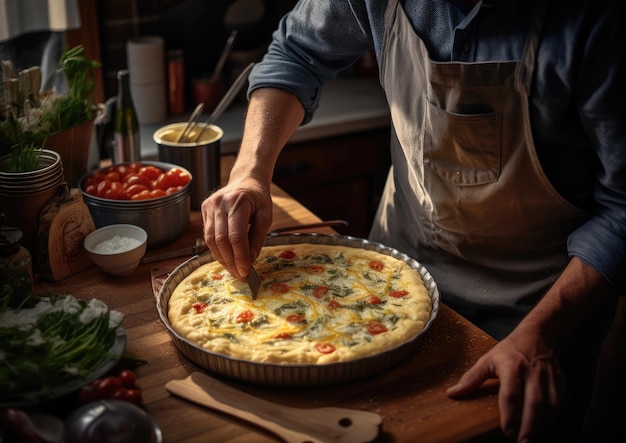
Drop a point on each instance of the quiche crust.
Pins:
(317, 304)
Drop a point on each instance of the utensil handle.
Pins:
(227, 99)
(315, 425)
(224, 55)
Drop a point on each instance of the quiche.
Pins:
(317, 304)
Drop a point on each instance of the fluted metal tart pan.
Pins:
(291, 375)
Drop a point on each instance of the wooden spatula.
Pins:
(294, 425)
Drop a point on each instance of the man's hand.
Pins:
(236, 219)
(531, 385)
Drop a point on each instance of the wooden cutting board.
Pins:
(294, 425)
(64, 222)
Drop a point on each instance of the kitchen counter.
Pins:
(348, 105)
(410, 397)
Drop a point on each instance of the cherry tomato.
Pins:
(199, 307)
(120, 393)
(135, 189)
(121, 170)
(115, 191)
(127, 378)
(134, 396)
(152, 172)
(288, 254)
(103, 187)
(398, 294)
(143, 195)
(334, 304)
(114, 176)
(244, 317)
(282, 336)
(279, 287)
(94, 179)
(157, 193)
(324, 348)
(134, 166)
(107, 386)
(376, 265)
(372, 300)
(91, 189)
(172, 178)
(173, 190)
(135, 179)
(88, 394)
(320, 291)
(296, 318)
(376, 327)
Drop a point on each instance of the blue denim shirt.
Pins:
(577, 103)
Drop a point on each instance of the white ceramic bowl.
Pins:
(117, 249)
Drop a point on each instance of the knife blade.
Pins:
(254, 281)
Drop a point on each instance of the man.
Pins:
(508, 178)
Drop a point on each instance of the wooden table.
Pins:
(410, 396)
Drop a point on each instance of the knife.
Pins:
(254, 281)
(199, 247)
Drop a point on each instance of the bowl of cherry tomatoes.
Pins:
(150, 194)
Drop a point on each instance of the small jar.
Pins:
(16, 272)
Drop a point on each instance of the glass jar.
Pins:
(16, 273)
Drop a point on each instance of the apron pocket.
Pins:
(462, 148)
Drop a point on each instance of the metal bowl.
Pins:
(163, 218)
(297, 374)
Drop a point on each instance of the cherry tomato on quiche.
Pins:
(296, 318)
(281, 288)
(287, 254)
(372, 300)
(376, 265)
(320, 291)
(375, 327)
(199, 307)
(398, 294)
(244, 317)
(324, 348)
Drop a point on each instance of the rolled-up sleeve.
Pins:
(313, 42)
(601, 241)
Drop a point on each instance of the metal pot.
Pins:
(163, 218)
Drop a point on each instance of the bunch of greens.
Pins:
(49, 341)
(28, 116)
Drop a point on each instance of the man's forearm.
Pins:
(578, 295)
(273, 116)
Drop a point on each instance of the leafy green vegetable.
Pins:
(46, 341)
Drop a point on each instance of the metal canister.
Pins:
(16, 272)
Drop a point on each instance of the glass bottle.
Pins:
(127, 139)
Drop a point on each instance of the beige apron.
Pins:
(466, 195)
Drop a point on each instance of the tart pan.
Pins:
(300, 375)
